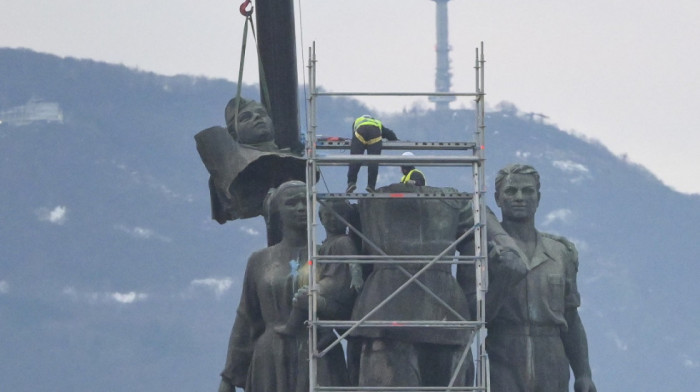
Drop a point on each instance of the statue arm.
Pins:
(335, 282)
(346, 247)
(466, 277)
(576, 347)
(506, 267)
(356, 279)
(494, 231)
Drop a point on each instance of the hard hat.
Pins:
(407, 154)
(366, 116)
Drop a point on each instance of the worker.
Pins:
(368, 133)
(411, 175)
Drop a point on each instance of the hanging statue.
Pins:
(244, 161)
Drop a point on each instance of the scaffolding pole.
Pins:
(472, 155)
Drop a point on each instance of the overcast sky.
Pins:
(624, 72)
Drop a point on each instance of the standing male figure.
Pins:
(367, 134)
(537, 333)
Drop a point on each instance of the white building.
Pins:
(34, 110)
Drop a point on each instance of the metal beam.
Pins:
(276, 44)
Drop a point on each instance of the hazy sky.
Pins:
(624, 72)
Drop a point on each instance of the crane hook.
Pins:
(242, 8)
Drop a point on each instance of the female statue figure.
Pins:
(260, 359)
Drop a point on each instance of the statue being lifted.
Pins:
(244, 162)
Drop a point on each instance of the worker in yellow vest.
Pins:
(367, 134)
(411, 175)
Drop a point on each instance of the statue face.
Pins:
(518, 197)
(254, 125)
(292, 207)
(330, 222)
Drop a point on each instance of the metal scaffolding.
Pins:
(461, 154)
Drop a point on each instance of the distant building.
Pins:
(33, 110)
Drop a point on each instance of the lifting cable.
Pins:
(248, 13)
(246, 9)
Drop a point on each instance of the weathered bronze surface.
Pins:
(244, 163)
(260, 358)
(537, 334)
(411, 356)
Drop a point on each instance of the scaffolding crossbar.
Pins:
(399, 145)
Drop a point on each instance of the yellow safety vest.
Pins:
(405, 179)
(360, 121)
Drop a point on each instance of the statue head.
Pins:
(254, 124)
(285, 209)
(330, 221)
(518, 191)
(517, 168)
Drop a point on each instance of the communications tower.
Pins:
(443, 76)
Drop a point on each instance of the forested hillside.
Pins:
(114, 277)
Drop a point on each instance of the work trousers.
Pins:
(389, 362)
(368, 132)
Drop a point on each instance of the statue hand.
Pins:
(301, 298)
(506, 259)
(225, 386)
(356, 281)
(584, 384)
(494, 250)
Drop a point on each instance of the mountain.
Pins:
(113, 275)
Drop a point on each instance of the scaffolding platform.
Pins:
(467, 154)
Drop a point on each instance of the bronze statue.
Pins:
(259, 358)
(337, 282)
(415, 356)
(537, 333)
(244, 161)
(338, 242)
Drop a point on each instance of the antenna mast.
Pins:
(443, 76)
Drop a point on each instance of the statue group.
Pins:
(535, 336)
